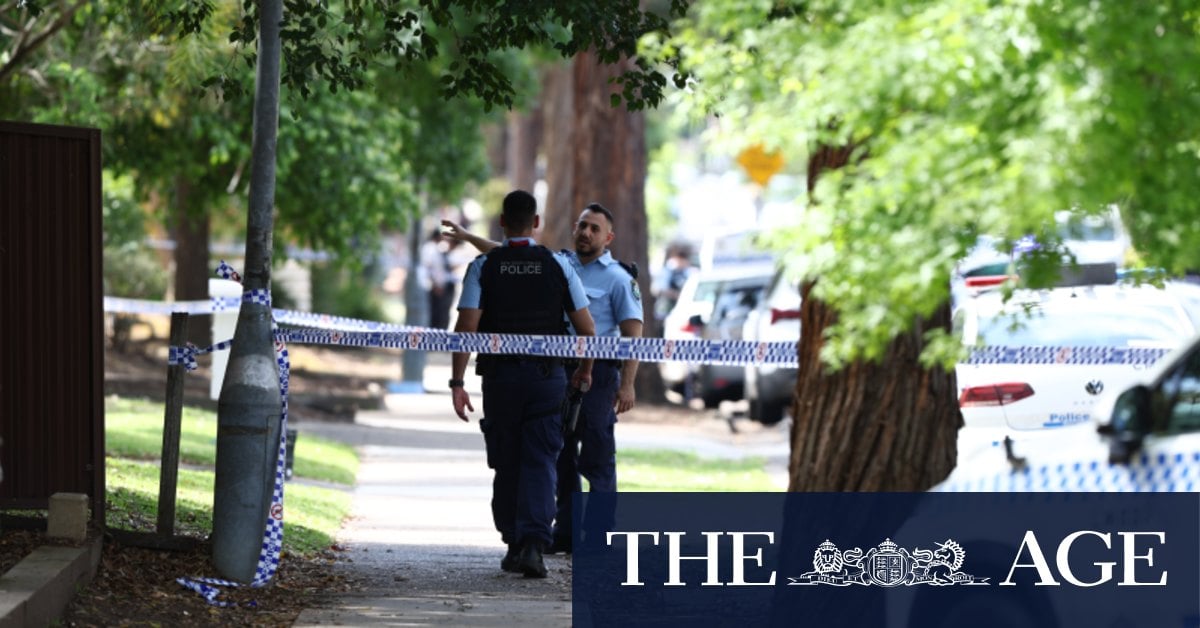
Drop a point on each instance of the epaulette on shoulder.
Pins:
(630, 268)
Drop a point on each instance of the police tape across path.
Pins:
(309, 328)
(224, 304)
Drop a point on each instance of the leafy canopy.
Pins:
(347, 169)
(337, 43)
(966, 117)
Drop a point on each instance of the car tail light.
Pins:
(986, 281)
(783, 315)
(994, 394)
(690, 328)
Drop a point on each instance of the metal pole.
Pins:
(416, 307)
(249, 410)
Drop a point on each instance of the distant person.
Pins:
(520, 287)
(669, 282)
(615, 304)
(438, 278)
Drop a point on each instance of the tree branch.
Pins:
(22, 49)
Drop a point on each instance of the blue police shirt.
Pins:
(471, 289)
(613, 295)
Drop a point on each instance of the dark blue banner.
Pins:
(981, 560)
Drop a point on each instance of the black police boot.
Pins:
(560, 545)
(509, 563)
(530, 562)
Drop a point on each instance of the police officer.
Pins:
(521, 288)
(615, 304)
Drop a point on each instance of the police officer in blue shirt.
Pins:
(521, 288)
(615, 304)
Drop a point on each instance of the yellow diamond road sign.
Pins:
(760, 165)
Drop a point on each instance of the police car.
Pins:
(1045, 357)
(1142, 438)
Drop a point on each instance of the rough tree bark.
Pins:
(886, 426)
(558, 107)
(521, 147)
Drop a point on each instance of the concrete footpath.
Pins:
(420, 546)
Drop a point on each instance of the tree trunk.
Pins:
(190, 230)
(886, 426)
(605, 162)
(521, 159)
(562, 129)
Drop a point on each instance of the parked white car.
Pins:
(1047, 356)
(1144, 437)
(694, 309)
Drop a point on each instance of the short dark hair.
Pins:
(519, 209)
(600, 209)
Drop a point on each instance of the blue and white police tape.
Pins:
(272, 545)
(121, 305)
(1162, 472)
(603, 348)
(364, 333)
(726, 352)
(186, 355)
(1065, 355)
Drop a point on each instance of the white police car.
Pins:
(1145, 437)
(1047, 356)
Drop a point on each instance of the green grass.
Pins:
(676, 471)
(133, 439)
(312, 515)
(133, 429)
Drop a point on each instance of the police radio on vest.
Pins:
(520, 268)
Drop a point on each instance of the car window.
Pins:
(1181, 391)
(1141, 327)
(736, 300)
(706, 291)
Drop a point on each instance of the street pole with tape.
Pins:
(249, 409)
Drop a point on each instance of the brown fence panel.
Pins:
(51, 323)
